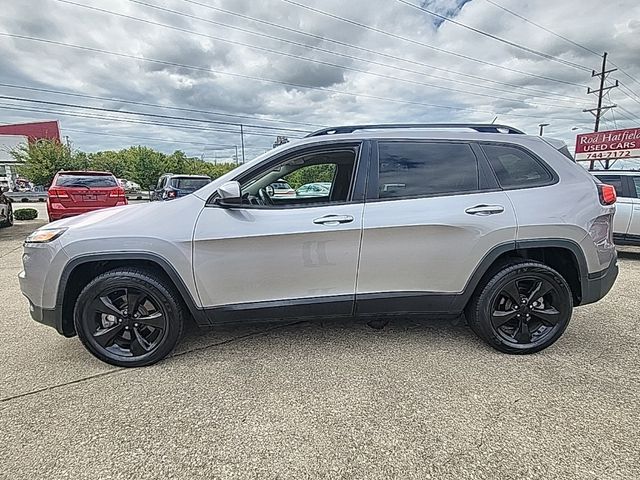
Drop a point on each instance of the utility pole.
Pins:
(242, 141)
(599, 111)
(236, 155)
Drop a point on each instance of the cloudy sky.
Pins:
(197, 69)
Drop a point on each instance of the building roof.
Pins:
(34, 131)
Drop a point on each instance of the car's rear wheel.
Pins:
(129, 318)
(523, 307)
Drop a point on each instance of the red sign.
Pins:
(35, 131)
(609, 145)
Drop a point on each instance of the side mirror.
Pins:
(229, 194)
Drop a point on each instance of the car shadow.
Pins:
(330, 332)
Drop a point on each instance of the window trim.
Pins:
(356, 193)
(373, 193)
(554, 178)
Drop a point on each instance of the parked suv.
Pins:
(626, 223)
(74, 193)
(172, 186)
(418, 219)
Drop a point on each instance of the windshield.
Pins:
(91, 181)
(189, 183)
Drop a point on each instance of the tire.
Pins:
(129, 317)
(9, 220)
(532, 324)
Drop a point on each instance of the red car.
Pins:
(73, 193)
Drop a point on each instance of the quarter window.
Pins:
(410, 169)
(515, 168)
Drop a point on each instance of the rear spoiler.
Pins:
(560, 146)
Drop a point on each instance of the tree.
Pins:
(110, 161)
(40, 161)
(145, 165)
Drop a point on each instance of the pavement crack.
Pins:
(121, 369)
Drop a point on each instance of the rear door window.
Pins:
(414, 169)
(89, 181)
(516, 168)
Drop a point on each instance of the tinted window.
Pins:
(415, 169)
(516, 168)
(635, 182)
(614, 180)
(91, 181)
(192, 184)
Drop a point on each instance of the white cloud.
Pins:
(587, 22)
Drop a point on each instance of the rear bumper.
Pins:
(59, 212)
(598, 284)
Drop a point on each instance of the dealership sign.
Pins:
(611, 145)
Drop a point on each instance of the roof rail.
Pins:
(478, 127)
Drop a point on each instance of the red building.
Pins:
(19, 133)
(34, 130)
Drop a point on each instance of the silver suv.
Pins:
(418, 219)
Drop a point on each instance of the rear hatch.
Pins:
(87, 190)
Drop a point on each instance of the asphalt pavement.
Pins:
(418, 399)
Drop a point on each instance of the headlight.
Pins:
(45, 235)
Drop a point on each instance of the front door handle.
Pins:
(485, 210)
(333, 219)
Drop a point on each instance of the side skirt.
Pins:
(366, 305)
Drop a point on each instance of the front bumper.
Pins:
(49, 317)
(598, 284)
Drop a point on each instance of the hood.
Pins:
(137, 220)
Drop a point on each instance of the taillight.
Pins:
(117, 192)
(169, 194)
(58, 193)
(607, 194)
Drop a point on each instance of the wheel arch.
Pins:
(80, 270)
(561, 254)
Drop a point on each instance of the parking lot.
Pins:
(418, 399)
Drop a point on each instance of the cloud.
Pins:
(250, 82)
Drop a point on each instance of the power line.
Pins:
(299, 57)
(543, 28)
(169, 107)
(495, 37)
(541, 93)
(135, 137)
(250, 77)
(426, 45)
(562, 37)
(629, 93)
(127, 120)
(635, 117)
(154, 115)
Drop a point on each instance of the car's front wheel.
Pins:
(524, 307)
(129, 317)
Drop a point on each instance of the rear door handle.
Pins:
(485, 210)
(333, 219)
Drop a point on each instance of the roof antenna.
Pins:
(494, 120)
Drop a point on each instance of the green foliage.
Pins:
(25, 214)
(311, 174)
(40, 161)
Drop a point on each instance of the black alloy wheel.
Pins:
(523, 308)
(128, 318)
